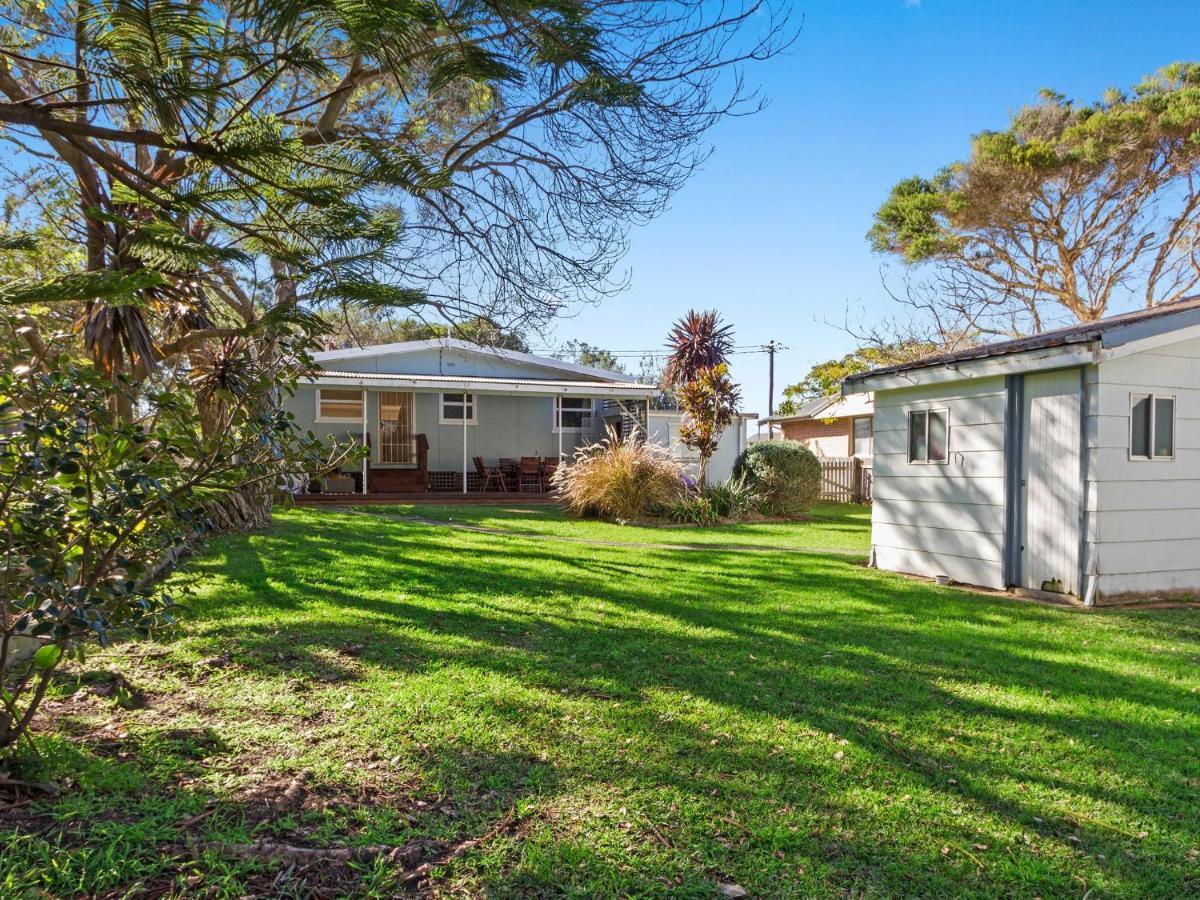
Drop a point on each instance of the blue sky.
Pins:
(771, 232)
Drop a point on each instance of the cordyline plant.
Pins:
(697, 341)
(709, 403)
(95, 509)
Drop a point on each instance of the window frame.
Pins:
(927, 411)
(471, 403)
(1151, 422)
(357, 420)
(571, 429)
(870, 436)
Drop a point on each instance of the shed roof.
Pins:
(1110, 332)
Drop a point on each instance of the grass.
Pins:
(656, 721)
(831, 526)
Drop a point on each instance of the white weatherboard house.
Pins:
(1065, 462)
(428, 409)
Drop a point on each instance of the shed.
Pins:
(1066, 462)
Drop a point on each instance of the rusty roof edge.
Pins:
(1127, 327)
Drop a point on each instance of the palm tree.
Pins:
(697, 341)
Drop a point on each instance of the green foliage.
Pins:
(619, 480)
(585, 354)
(733, 499)
(1051, 214)
(825, 378)
(94, 508)
(785, 474)
(364, 327)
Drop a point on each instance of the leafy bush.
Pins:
(692, 509)
(785, 475)
(733, 498)
(619, 480)
(96, 508)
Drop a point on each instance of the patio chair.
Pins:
(549, 467)
(530, 474)
(489, 475)
(511, 469)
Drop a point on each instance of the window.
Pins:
(1151, 427)
(574, 413)
(863, 434)
(457, 406)
(927, 433)
(339, 405)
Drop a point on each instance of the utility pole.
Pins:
(770, 347)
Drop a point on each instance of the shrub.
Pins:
(785, 474)
(619, 480)
(692, 509)
(733, 498)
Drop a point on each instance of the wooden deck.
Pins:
(491, 498)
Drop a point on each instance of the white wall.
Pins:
(1146, 512)
(663, 428)
(933, 519)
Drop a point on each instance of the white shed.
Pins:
(1067, 462)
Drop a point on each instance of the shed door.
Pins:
(1051, 490)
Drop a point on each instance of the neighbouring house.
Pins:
(429, 409)
(834, 426)
(1067, 462)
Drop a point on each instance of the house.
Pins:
(1067, 462)
(427, 409)
(831, 426)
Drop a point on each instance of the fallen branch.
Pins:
(462, 847)
(406, 856)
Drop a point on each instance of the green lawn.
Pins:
(619, 720)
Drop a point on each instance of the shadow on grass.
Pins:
(1022, 720)
(816, 642)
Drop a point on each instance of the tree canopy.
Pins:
(1070, 210)
(825, 379)
(485, 158)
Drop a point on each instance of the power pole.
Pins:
(770, 347)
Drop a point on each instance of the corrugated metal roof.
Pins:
(1075, 334)
(482, 382)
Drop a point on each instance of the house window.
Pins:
(456, 407)
(339, 405)
(573, 413)
(1151, 426)
(863, 437)
(927, 431)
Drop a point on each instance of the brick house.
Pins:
(832, 426)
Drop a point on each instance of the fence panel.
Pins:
(845, 480)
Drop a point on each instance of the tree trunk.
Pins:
(247, 509)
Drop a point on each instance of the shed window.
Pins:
(1151, 426)
(457, 406)
(339, 405)
(574, 413)
(927, 435)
